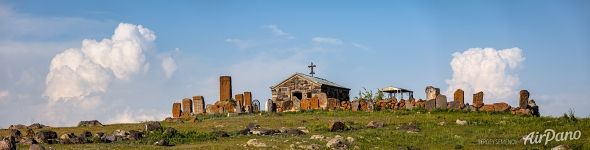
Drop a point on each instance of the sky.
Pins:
(127, 61)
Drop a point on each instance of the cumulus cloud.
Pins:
(169, 65)
(79, 72)
(488, 70)
(127, 116)
(327, 40)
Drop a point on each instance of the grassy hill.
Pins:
(438, 130)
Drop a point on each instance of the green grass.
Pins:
(431, 136)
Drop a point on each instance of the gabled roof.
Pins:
(317, 80)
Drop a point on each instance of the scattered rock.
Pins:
(28, 141)
(120, 133)
(409, 128)
(442, 123)
(220, 133)
(317, 137)
(37, 126)
(46, 136)
(135, 135)
(303, 129)
(170, 131)
(15, 133)
(85, 134)
(7, 144)
(337, 143)
(255, 143)
(560, 147)
(151, 126)
(36, 147)
(310, 147)
(350, 139)
(294, 131)
(162, 142)
(375, 124)
(30, 133)
(252, 126)
(337, 126)
(262, 131)
(17, 127)
(90, 123)
(461, 122)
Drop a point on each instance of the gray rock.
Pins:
(135, 135)
(120, 133)
(151, 126)
(90, 123)
(336, 126)
(375, 124)
(162, 142)
(8, 144)
(15, 133)
(255, 143)
(262, 131)
(28, 141)
(337, 143)
(170, 131)
(46, 136)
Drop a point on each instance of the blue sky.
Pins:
(374, 44)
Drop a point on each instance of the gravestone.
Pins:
(355, 105)
(333, 104)
(268, 105)
(314, 103)
(305, 104)
(296, 104)
(487, 108)
(238, 108)
(430, 104)
(454, 105)
(431, 92)
(441, 102)
(524, 99)
(239, 99)
(501, 107)
(255, 106)
(225, 88)
(247, 98)
(370, 106)
(198, 104)
(323, 100)
(459, 98)
(478, 99)
(176, 110)
(187, 106)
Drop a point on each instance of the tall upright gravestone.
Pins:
(248, 102)
(239, 99)
(176, 110)
(478, 99)
(524, 99)
(441, 102)
(198, 104)
(459, 98)
(225, 88)
(187, 106)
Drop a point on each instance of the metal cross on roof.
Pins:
(311, 66)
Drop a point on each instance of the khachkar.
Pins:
(248, 102)
(198, 104)
(225, 88)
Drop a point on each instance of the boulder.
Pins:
(409, 128)
(162, 142)
(7, 144)
(15, 133)
(36, 126)
(28, 141)
(36, 147)
(46, 136)
(255, 143)
(90, 123)
(85, 134)
(534, 108)
(501, 107)
(135, 135)
(17, 127)
(120, 133)
(460, 122)
(170, 131)
(262, 131)
(151, 126)
(375, 124)
(337, 143)
(336, 126)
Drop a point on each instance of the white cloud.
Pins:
(327, 40)
(488, 70)
(169, 66)
(128, 116)
(78, 73)
(360, 46)
(276, 30)
(242, 44)
(4, 95)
